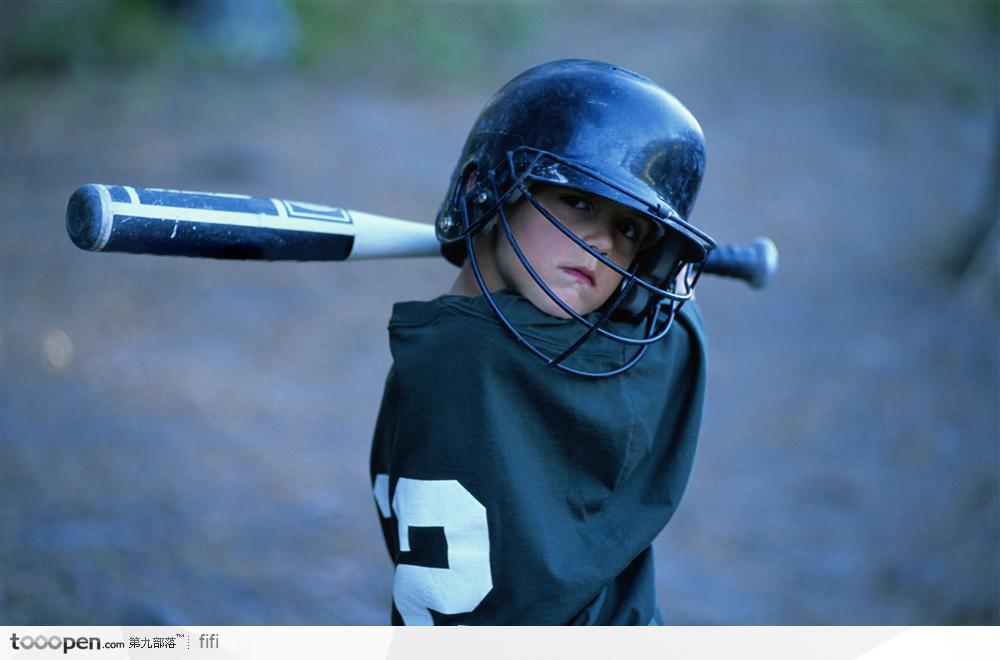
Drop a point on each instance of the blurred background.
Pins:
(186, 441)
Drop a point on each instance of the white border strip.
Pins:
(382, 642)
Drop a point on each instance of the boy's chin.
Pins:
(549, 306)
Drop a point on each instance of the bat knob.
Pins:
(767, 254)
(88, 217)
(754, 263)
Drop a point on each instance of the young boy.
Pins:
(525, 457)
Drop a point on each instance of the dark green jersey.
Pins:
(513, 493)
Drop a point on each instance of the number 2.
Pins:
(468, 579)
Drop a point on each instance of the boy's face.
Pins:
(578, 278)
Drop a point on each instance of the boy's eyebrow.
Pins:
(620, 208)
(597, 200)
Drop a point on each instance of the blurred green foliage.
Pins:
(913, 43)
(439, 39)
(45, 38)
(446, 39)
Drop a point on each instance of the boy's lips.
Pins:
(580, 273)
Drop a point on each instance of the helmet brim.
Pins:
(664, 219)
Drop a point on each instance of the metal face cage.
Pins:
(655, 302)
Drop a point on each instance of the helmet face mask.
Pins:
(604, 131)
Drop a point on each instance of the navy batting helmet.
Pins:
(604, 130)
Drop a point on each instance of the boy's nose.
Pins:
(600, 248)
(599, 237)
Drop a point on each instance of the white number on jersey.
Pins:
(463, 585)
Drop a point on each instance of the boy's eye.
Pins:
(575, 202)
(630, 229)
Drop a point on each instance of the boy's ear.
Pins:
(470, 179)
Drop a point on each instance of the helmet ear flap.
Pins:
(660, 266)
(449, 225)
(478, 196)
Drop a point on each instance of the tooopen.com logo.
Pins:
(54, 642)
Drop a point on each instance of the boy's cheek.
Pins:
(540, 300)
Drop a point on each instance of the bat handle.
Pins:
(754, 263)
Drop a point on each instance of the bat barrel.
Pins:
(197, 224)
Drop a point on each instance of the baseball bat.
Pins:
(113, 218)
(108, 218)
